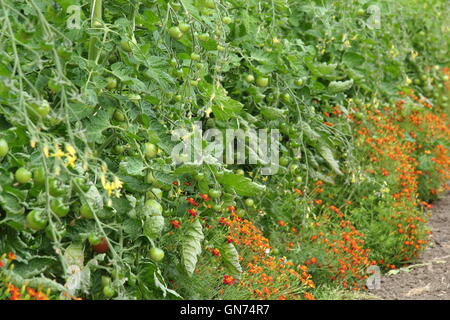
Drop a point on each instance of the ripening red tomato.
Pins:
(101, 247)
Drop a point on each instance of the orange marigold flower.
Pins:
(175, 223)
(193, 212)
(12, 256)
(282, 223)
(192, 201)
(228, 280)
(309, 296)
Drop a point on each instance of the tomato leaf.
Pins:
(231, 260)
(225, 108)
(192, 246)
(327, 154)
(243, 186)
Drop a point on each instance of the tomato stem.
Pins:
(96, 17)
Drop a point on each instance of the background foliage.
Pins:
(89, 113)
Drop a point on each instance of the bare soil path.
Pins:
(428, 279)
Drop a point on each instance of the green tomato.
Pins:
(299, 82)
(298, 179)
(86, 212)
(175, 33)
(111, 83)
(214, 193)
(210, 4)
(293, 168)
(132, 280)
(4, 148)
(220, 174)
(150, 150)
(156, 254)
(41, 108)
(106, 281)
(203, 37)
(249, 78)
(195, 56)
(54, 86)
(150, 179)
(56, 189)
(227, 20)
(173, 62)
(94, 239)
(108, 292)
(59, 208)
(36, 220)
(23, 175)
(175, 6)
(118, 115)
(118, 149)
(125, 45)
(184, 27)
(135, 98)
(199, 176)
(284, 161)
(286, 98)
(249, 202)
(39, 176)
(262, 82)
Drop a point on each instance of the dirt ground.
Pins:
(428, 279)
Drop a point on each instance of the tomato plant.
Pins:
(92, 113)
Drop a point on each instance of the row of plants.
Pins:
(94, 206)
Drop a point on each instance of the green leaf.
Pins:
(153, 226)
(225, 108)
(132, 184)
(270, 113)
(74, 255)
(98, 123)
(231, 260)
(79, 111)
(310, 134)
(353, 59)
(326, 153)
(192, 246)
(94, 197)
(340, 86)
(34, 267)
(133, 167)
(243, 186)
(161, 284)
(11, 204)
(132, 227)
